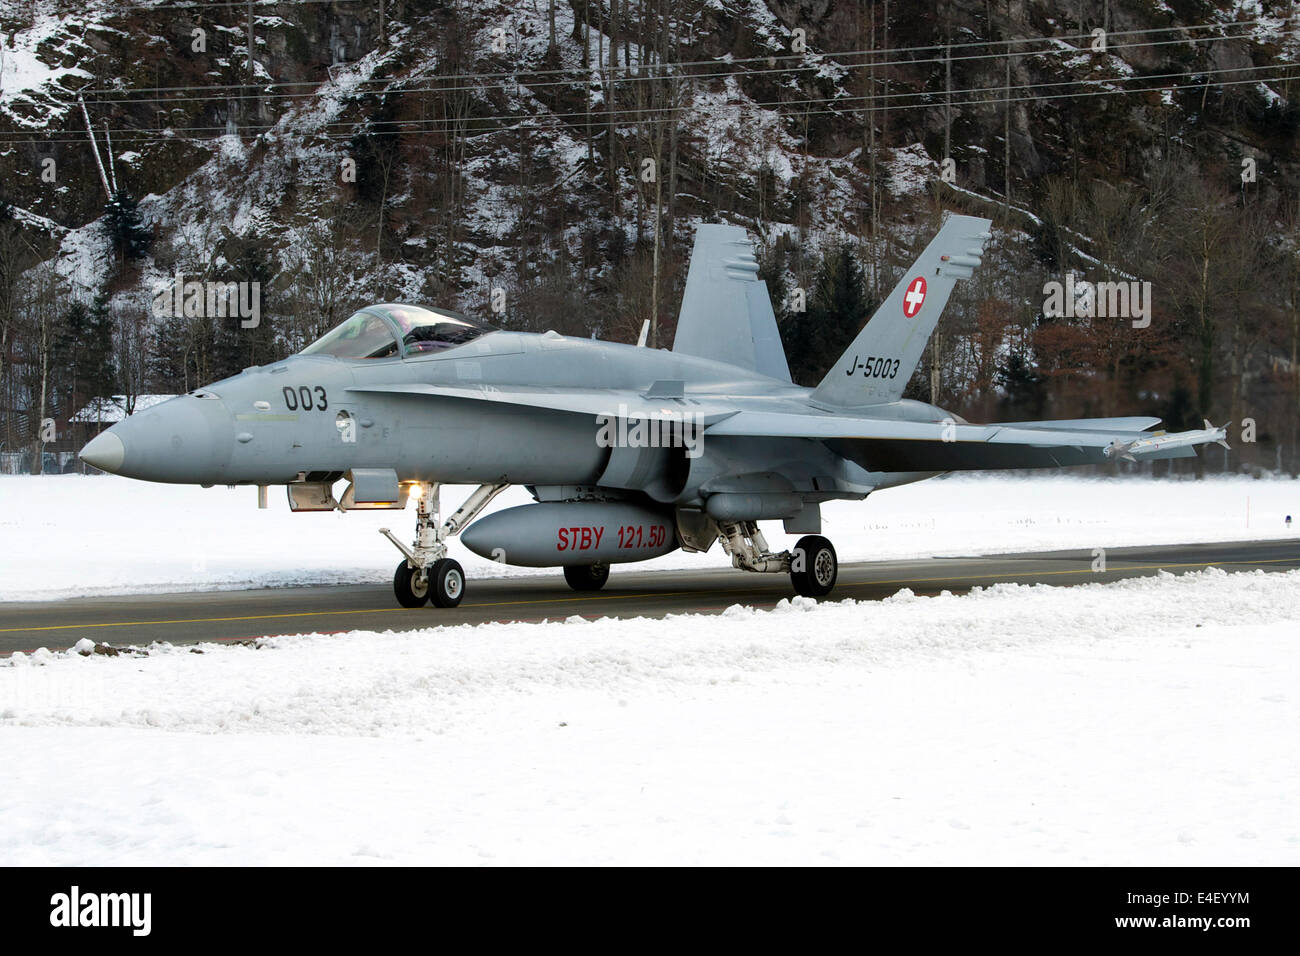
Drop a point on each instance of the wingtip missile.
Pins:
(1221, 432)
(1121, 449)
(1147, 445)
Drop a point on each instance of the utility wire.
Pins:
(436, 84)
(820, 60)
(508, 122)
(397, 86)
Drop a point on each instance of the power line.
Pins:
(514, 76)
(406, 89)
(837, 105)
(651, 74)
(205, 4)
(479, 125)
(1066, 96)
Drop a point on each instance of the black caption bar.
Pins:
(138, 907)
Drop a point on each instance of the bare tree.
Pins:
(1204, 224)
(42, 292)
(15, 255)
(323, 284)
(131, 350)
(1292, 251)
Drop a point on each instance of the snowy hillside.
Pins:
(543, 165)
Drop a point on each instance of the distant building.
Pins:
(111, 410)
(60, 456)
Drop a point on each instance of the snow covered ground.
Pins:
(130, 536)
(1150, 722)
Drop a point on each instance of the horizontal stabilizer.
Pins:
(893, 445)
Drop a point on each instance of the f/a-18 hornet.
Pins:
(628, 452)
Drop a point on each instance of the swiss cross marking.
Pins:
(914, 296)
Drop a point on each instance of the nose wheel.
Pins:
(427, 575)
(411, 586)
(442, 586)
(446, 583)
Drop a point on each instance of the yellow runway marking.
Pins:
(1088, 570)
(364, 610)
(649, 594)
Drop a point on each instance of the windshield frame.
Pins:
(370, 314)
(444, 317)
(404, 347)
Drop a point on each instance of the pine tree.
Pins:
(837, 310)
(128, 236)
(84, 349)
(248, 260)
(175, 356)
(1025, 387)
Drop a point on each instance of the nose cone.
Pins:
(105, 452)
(186, 440)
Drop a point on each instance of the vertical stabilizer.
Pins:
(878, 364)
(726, 314)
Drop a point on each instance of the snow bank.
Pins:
(135, 537)
(1149, 722)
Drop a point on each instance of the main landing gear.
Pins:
(427, 575)
(587, 577)
(818, 567)
(812, 565)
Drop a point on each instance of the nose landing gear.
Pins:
(428, 575)
(447, 581)
(411, 586)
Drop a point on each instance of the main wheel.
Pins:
(587, 577)
(814, 567)
(411, 590)
(446, 583)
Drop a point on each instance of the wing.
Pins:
(1135, 424)
(888, 445)
(726, 314)
(605, 402)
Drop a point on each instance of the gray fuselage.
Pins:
(315, 416)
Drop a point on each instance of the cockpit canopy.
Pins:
(385, 331)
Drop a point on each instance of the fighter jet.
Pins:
(628, 452)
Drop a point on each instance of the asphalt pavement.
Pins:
(195, 617)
